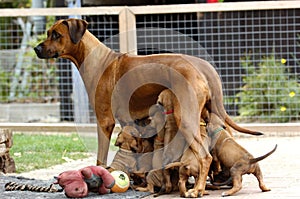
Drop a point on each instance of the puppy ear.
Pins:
(119, 141)
(77, 28)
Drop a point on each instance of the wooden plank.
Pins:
(127, 28)
(272, 129)
(49, 127)
(111, 10)
(269, 129)
(155, 9)
(215, 7)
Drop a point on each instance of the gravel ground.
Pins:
(36, 195)
(281, 173)
(45, 177)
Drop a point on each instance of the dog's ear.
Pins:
(77, 28)
(119, 140)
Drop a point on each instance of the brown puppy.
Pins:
(125, 158)
(154, 177)
(144, 154)
(189, 166)
(174, 142)
(124, 87)
(233, 156)
(164, 123)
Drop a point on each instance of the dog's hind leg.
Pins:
(236, 174)
(258, 174)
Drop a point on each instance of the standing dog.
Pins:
(125, 86)
(233, 156)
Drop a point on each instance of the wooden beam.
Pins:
(127, 28)
(49, 127)
(155, 9)
(215, 7)
(105, 10)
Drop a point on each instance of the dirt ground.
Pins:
(281, 173)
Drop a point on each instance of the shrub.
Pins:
(270, 92)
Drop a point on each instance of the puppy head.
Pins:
(157, 117)
(166, 99)
(127, 138)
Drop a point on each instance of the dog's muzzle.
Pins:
(42, 53)
(38, 50)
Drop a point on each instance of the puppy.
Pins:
(144, 154)
(233, 156)
(125, 158)
(174, 141)
(157, 122)
(189, 165)
(169, 144)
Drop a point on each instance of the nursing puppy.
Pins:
(125, 158)
(189, 166)
(232, 156)
(155, 177)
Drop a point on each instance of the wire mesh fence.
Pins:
(256, 53)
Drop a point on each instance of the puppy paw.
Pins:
(224, 194)
(265, 190)
(192, 193)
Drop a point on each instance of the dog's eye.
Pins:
(55, 35)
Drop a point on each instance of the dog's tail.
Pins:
(254, 160)
(227, 182)
(231, 123)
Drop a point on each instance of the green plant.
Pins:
(31, 79)
(270, 93)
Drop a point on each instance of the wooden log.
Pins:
(7, 164)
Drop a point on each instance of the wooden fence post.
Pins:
(127, 28)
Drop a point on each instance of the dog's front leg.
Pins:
(104, 130)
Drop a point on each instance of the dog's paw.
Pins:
(192, 193)
(224, 194)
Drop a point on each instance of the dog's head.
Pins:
(61, 38)
(127, 138)
(167, 99)
(157, 117)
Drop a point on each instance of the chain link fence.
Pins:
(256, 53)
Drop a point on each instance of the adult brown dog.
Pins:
(124, 86)
(233, 156)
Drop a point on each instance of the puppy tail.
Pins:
(227, 182)
(254, 160)
(231, 123)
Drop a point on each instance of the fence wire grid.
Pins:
(256, 53)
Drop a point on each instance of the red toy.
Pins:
(77, 184)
